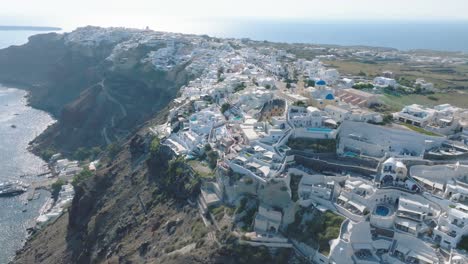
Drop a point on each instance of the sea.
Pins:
(16, 162)
(402, 35)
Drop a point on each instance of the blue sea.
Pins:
(15, 160)
(442, 36)
(16, 214)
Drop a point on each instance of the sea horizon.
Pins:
(448, 35)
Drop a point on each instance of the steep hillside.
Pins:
(138, 208)
(97, 82)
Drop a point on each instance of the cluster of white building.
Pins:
(53, 209)
(443, 119)
(237, 106)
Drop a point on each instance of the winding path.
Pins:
(115, 101)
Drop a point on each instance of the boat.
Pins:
(13, 126)
(12, 188)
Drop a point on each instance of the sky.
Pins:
(182, 15)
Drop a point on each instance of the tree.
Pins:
(56, 187)
(212, 158)
(225, 107)
(82, 176)
(387, 119)
(113, 149)
(288, 85)
(220, 74)
(46, 154)
(81, 154)
(240, 87)
(155, 145)
(310, 83)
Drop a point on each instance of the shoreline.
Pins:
(29, 148)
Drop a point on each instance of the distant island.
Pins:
(29, 28)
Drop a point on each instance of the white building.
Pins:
(425, 86)
(452, 226)
(415, 114)
(385, 82)
(267, 220)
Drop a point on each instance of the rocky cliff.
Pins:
(139, 208)
(95, 81)
(107, 85)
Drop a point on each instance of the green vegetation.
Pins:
(242, 204)
(248, 181)
(314, 145)
(240, 87)
(46, 154)
(421, 130)
(201, 169)
(82, 153)
(294, 185)
(361, 73)
(56, 187)
(318, 231)
(198, 230)
(248, 211)
(268, 86)
(300, 104)
(177, 180)
(248, 254)
(443, 77)
(397, 102)
(387, 119)
(113, 149)
(155, 145)
(405, 82)
(211, 156)
(225, 107)
(220, 74)
(217, 212)
(463, 244)
(363, 86)
(310, 83)
(82, 176)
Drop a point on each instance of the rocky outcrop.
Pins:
(78, 78)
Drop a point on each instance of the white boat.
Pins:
(12, 188)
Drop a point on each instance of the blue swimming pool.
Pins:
(382, 210)
(319, 130)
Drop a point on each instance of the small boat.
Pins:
(13, 126)
(12, 188)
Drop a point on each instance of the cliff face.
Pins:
(97, 90)
(139, 208)
(127, 213)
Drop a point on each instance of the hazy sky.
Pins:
(177, 15)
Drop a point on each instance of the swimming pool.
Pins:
(319, 129)
(382, 210)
